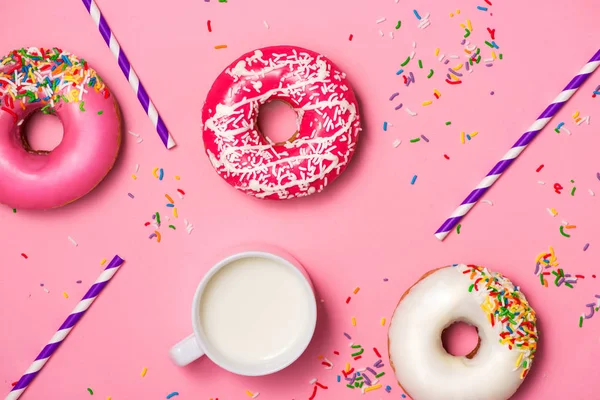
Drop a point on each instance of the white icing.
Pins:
(424, 368)
(300, 167)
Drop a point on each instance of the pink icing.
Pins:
(90, 144)
(328, 123)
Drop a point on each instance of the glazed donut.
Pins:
(506, 326)
(328, 123)
(54, 82)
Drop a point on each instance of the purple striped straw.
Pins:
(65, 328)
(130, 74)
(518, 147)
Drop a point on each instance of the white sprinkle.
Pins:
(380, 33)
(580, 122)
(266, 25)
(20, 122)
(565, 222)
(441, 58)
(255, 395)
(414, 45)
(566, 130)
(391, 35)
(541, 182)
(487, 202)
(587, 120)
(380, 20)
(72, 241)
(396, 142)
(591, 192)
(312, 381)
(412, 55)
(550, 212)
(46, 290)
(140, 140)
(412, 113)
(134, 134)
(137, 168)
(453, 56)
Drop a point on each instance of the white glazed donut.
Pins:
(506, 326)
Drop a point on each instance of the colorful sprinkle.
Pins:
(172, 394)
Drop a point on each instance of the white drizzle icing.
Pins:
(326, 140)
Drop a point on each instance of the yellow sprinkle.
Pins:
(494, 55)
(108, 398)
(437, 51)
(154, 173)
(553, 211)
(436, 92)
(469, 24)
(347, 367)
(221, 46)
(133, 176)
(356, 290)
(249, 393)
(382, 321)
(519, 360)
(426, 103)
(144, 372)
(576, 114)
(457, 11)
(65, 295)
(177, 177)
(458, 67)
(353, 321)
(374, 387)
(170, 199)
(474, 134)
(175, 212)
(451, 15)
(462, 26)
(103, 261)
(462, 137)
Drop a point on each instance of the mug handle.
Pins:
(186, 351)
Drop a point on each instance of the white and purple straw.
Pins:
(130, 74)
(518, 147)
(65, 328)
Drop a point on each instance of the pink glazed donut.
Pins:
(328, 123)
(58, 83)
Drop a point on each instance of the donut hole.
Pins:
(41, 133)
(276, 119)
(461, 339)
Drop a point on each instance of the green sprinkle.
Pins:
(500, 56)
(356, 346)
(350, 386)
(562, 232)
(542, 279)
(448, 123)
(430, 74)
(14, 210)
(415, 140)
(100, 112)
(358, 353)
(567, 284)
(573, 191)
(471, 287)
(398, 24)
(489, 44)
(172, 227)
(467, 34)
(380, 375)
(91, 391)
(458, 229)
(81, 106)
(157, 218)
(420, 64)
(580, 321)
(405, 61)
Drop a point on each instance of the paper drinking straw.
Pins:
(65, 328)
(130, 74)
(518, 147)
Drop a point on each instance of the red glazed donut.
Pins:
(328, 123)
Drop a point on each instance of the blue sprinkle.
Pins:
(170, 205)
(495, 45)
(469, 137)
(482, 8)
(161, 174)
(385, 126)
(338, 378)
(560, 125)
(417, 14)
(414, 179)
(66, 60)
(399, 71)
(172, 395)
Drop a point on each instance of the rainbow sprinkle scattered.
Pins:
(505, 304)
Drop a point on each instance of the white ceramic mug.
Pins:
(197, 344)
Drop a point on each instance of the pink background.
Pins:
(369, 225)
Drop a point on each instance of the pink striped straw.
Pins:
(518, 147)
(129, 73)
(65, 328)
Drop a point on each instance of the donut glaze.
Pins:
(328, 123)
(54, 82)
(506, 326)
